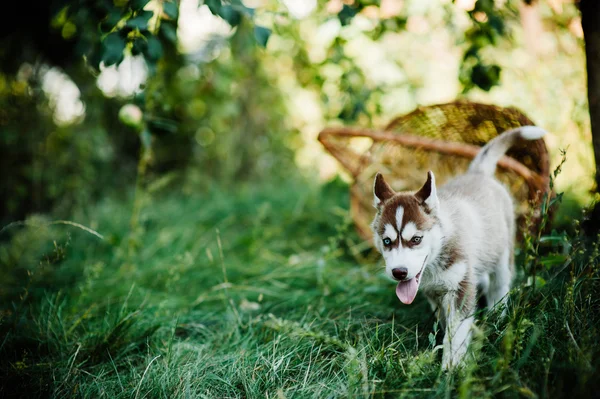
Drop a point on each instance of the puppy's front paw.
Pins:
(453, 359)
(447, 362)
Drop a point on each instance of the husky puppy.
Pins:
(447, 242)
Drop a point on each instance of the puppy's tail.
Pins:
(489, 155)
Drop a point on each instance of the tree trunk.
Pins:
(590, 22)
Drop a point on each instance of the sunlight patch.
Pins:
(300, 9)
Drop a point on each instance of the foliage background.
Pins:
(214, 93)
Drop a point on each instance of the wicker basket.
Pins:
(443, 138)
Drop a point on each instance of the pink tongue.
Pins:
(407, 290)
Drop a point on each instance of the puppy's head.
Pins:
(405, 232)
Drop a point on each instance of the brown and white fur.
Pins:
(447, 242)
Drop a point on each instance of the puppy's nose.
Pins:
(400, 273)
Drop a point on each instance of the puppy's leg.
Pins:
(500, 281)
(457, 307)
(483, 285)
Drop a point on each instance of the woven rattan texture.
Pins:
(442, 138)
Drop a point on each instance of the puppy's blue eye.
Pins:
(387, 241)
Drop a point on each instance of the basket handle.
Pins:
(534, 180)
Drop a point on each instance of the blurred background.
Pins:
(191, 93)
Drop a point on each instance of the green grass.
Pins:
(266, 291)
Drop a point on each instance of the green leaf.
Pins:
(171, 10)
(431, 339)
(112, 49)
(163, 124)
(249, 11)
(145, 14)
(262, 35)
(556, 199)
(496, 23)
(553, 260)
(138, 4)
(472, 51)
(111, 20)
(168, 32)
(231, 15)
(485, 76)
(554, 239)
(141, 21)
(242, 9)
(139, 46)
(154, 49)
(345, 16)
(214, 6)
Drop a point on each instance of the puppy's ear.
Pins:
(381, 190)
(427, 195)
